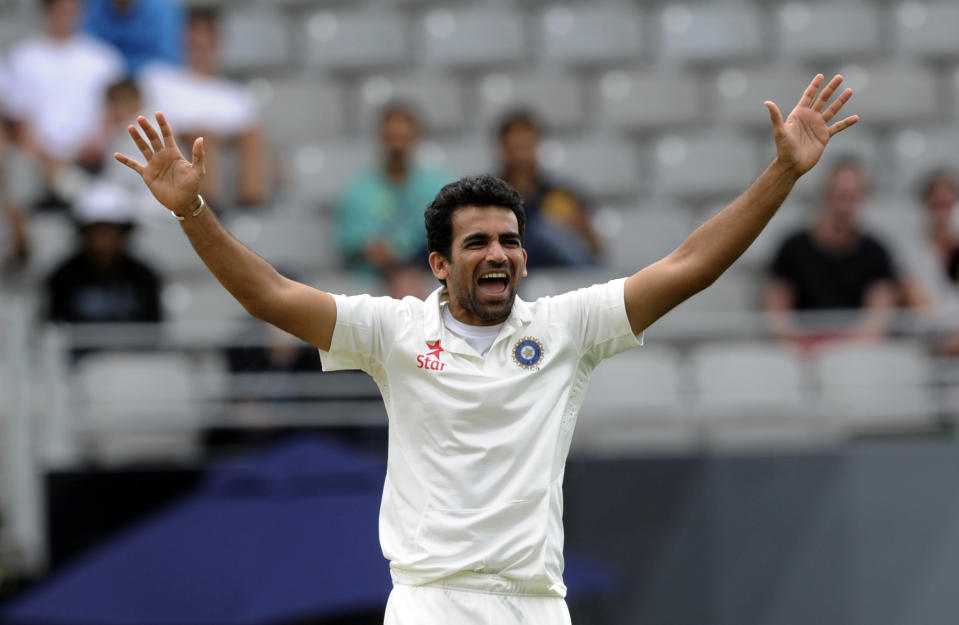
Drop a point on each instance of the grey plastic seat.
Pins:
(751, 395)
(712, 33)
(828, 31)
(52, 239)
(877, 387)
(354, 40)
(269, 30)
(138, 407)
(299, 110)
(472, 38)
(320, 170)
(918, 150)
(606, 167)
(588, 34)
(458, 157)
(712, 163)
(636, 404)
(648, 100)
(555, 97)
(161, 243)
(641, 237)
(739, 92)
(736, 291)
(297, 243)
(893, 93)
(436, 97)
(927, 29)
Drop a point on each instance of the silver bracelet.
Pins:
(196, 212)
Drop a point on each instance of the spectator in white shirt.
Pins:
(55, 88)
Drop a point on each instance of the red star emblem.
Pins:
(435, 349)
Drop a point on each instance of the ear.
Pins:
(525, 273)
(439, 264)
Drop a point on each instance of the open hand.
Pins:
(173, 180)
(802, 137)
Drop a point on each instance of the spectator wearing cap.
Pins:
(102, 281)
(379, 214)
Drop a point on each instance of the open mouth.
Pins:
(493, 283)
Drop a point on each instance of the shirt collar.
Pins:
(433, 319)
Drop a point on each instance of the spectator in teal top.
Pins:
(379, 215)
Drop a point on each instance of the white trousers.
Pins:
(442, 605)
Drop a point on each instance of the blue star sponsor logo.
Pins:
(528, 352)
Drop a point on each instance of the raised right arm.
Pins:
(291, 306)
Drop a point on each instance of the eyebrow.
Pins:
(483, 236)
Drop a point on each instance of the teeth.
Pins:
(494, 275)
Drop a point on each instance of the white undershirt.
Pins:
(479, 338)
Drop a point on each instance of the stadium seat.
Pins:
(703, 165)
(859, 144)
(52, 239)
(320, 170)
(14, 26)
(589, 35)
(355, 40)
(740, 92)
(299, 110)
(927, 29)
(885, 387)
(607, 166)
(199, 299)
(752, 395)
(458, 157)
(161, 243)
(892, 93)
(555, 97)
(648, 99)
(919, 150)
(346, 283)
(694, 33)
(435, 97)
(296, 244)
(639, 237)
(548, 282)
(138, 407)
(636, 403)
(791, 216)
(827, 31)
(268, 28)
(472, 38)
(898, 219)
(736, 291)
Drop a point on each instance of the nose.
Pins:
(495, 253)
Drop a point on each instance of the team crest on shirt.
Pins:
(528, 352)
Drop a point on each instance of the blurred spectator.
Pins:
(122, 105)
(558, 229)
(833, 266)
(14, 245)
(931, 266)
(55, 91)
(379, 215)
(198, 102)
(142, 30)
(102, 282)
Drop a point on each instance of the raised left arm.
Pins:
(714, 246)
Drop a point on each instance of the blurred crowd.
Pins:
(69, 91)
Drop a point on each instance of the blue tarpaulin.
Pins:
(286, 533)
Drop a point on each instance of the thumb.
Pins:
(198, 154)
(775, 116)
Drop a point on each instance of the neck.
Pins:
(397, 168)
(523, 179)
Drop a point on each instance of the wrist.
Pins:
(782, 168)
(194, 209)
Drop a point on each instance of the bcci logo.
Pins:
(528, 352)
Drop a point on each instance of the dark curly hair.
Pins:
(482, 190)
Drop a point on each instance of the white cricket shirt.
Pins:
(478, 445)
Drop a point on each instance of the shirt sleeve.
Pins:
(363, 333)
(597, 317)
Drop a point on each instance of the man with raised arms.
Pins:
(482, 388)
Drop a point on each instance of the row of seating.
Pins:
(134, 405)
(475, 35)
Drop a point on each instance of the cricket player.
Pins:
(482, 388)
